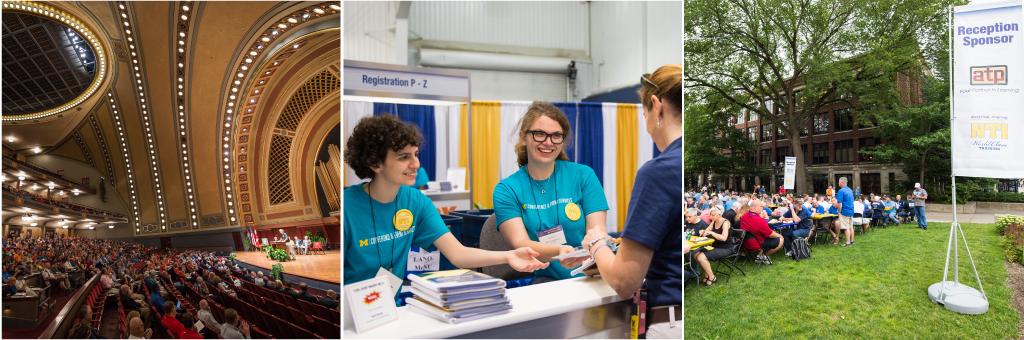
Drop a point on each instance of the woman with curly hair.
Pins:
(550, 203)
(386, 216)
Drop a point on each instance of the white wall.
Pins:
(369, 31)
(501, 86)
(633, 38)
(555, 24)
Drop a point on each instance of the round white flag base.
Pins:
(959, 298)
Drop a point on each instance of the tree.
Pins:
(788, 60)
(709, 133)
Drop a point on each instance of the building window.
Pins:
(752, 116)
(844, 151)
(820, 153)
(752, 133)
(768, 105)
(752, 157)
(803, 150)
(741, 118)
(871, 184)
(867, 144)
(780, 154)
(849, 180)
(844, 120)
(803, 130)
(821, 123)
(731, 120)
(766, 132)
(766, 157)
(892, 181)
(780, 133)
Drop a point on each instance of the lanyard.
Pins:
(535, 199)
(391, 267)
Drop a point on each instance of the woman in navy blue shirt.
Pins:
(652, 238)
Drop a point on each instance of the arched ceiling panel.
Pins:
(215, 46)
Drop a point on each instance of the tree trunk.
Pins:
(920, 177)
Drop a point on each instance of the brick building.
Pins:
(832, 145)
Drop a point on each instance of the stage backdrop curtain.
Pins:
(511, 113)
(486, 146)
(354, 111)
(423, 117)
(590, 146)
(570, 109)
(454, 137)
(627, 156)
(609, 114)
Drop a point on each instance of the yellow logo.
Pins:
(572, 211)
(403, 220)
(365, 242)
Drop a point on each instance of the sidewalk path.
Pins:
(979, 216)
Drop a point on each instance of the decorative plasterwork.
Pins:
(265, 41)
(83, 30)
(181, 46)
(85, 148)
(103, 148)
(116, 114)
(137, 71)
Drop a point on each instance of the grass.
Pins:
(877, 289)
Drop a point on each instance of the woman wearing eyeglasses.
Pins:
(550, 203)
(652, 239)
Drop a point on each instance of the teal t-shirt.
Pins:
(571, 183)
(367, 249)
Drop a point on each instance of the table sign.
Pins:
(372, 303)
(421, 260)
(457, 176)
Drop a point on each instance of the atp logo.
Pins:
(988, 75)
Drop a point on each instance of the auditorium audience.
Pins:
(304, 295)
(170, 320)
(233, 327)
(206, 316)
(330, 301)
(190, 332)
(130, 303)
(138, 331)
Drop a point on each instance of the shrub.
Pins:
(1001, 197)
(1012, 240)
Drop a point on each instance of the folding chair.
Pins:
(751, 253)
(737, 236)
(317, 247)
(824, 226)
(859, 220)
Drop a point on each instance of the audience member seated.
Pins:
(190, 327)
(258, 280)
(693, 222)
(765, 240)
(718, 230)
(801, 230)
(138, 330)
(290, 291)
(233, 327)
(206, 316)
(304, 294)
(130, 303)
(330, 301)
(157, 299)
(170, 320)
(85, 320)
(128, 330)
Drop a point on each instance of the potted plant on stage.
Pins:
(277, 254)
(276, 271)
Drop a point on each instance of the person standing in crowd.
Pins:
(652, 240)
(550, 203)
(920, 195)
(844, 200)
(385, 217)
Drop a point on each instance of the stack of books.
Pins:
(457, 296)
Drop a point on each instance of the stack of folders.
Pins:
(457, 296)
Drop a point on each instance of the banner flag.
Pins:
(988, 106)
(790, 175)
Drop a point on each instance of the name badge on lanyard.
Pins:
(553, 236)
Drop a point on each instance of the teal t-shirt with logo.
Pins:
(373, 242)
(571, 185)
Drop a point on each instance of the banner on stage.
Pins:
(988, 106)
(790, 175)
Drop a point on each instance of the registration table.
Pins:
(571, 308)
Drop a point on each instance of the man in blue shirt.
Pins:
(844, 199)
(802, 230)
(730, 202)
(890, 211)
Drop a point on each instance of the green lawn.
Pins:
(876, 289)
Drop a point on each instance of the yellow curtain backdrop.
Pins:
(464, 137)
(486, 143)
(626, 159)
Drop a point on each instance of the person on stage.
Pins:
(386, 216)
(550, 202)
(652, 238)
(283, 237)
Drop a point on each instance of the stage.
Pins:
(326, 268)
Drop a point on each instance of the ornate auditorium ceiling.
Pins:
(166, 100)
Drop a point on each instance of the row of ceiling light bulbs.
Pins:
(63, 222)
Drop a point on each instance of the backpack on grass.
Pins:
(800, 250)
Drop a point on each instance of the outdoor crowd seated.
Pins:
(766, 242)
(59, 203)
(719, 230)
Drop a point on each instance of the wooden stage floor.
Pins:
(318, 267)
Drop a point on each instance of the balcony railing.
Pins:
(42, 203)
